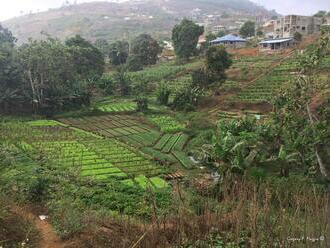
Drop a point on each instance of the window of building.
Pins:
(303, 28)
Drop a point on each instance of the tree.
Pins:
(134, 63)
(118, 52)
(122, 81)
(10, 71)
(248, 29)
(11, 76)
(321, 13)
(217, 61)
(260, 32)
(49, 69)
(188, 98)
(103, 46)
(297, 36)
(6, 36)
(88, 60)
(221, 33)
(145, 49)
(185, 38)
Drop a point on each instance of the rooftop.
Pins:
(272, 41)
(229, 37)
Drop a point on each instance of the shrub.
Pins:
(142, 104)
(67, 217)
(134, 63)
(187, 99)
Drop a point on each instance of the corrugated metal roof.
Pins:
(228, 37)
(275, 41)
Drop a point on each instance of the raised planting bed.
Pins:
(167, 124)
(159, 182)
(163, 141)
(184, 159)
(171, 142)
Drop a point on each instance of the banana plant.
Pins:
(285, 160)
(240, 144)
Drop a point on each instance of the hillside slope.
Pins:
(125, 20)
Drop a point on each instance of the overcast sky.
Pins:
(12, 8)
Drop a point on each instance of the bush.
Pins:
(134, 63)
(142, 104)
(67, 217)
(107, 84)
(201, 78)
(187, 99)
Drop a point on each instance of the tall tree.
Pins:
(48, 68)
(118, 52)
(10, 70)
(217, 61)
(248, 29)
(145, 49)
(103, 46)
(185, 38)
(88, 60)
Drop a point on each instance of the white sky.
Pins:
(300, 7)
(12, 8)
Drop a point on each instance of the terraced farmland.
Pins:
(91, 155)
(159, 144)
(266, 87)
(109, 126)
(167, 123)
(116, 107)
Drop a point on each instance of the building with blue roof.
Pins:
(230, 40)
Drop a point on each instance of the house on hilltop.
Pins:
(230, 40)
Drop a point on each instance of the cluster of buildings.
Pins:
(279, 34)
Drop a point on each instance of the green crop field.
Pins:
(136, 132)
(167, 123)
(265, 88)
(91, 155)
(116, 106)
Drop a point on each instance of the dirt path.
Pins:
(48, 236)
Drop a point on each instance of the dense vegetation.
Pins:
(148, 162)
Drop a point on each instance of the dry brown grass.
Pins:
(259, 215)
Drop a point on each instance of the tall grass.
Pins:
(241, 213)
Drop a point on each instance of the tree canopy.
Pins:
(6, 36)
(88, 60)
(185, 38)
(248, 29)
(145, 49)
(118, 52)
(103, 46)
(49, 69)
